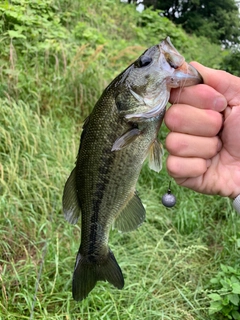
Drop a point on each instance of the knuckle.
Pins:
(173, 118)
(215, 122)
(173, 166)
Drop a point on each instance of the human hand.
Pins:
(204, 142)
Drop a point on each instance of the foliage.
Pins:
(165, 263)
(230, 62)
(216, 20)
(225, 293)
(56, 52)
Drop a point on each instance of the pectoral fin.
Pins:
(131, 216)
(155, 156)
(70, 202)
(126, 139)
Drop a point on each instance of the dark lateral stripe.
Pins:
(106, 162)
(92, 243)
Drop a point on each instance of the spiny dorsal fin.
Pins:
(70, 203)
(156, 152)
(126, 139)
(131, 216)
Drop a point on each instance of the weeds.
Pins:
(225, 293)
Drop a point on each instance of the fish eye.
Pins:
(143, 61)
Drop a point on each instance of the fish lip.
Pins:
(180, 72)
(185, 75)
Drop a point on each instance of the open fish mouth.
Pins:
(182, 73)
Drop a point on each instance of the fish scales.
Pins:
(117, 137)
(112, 194)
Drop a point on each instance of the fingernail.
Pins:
(220, 103)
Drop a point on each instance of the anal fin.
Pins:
(70, 202)
(156, 152)
(131, 216)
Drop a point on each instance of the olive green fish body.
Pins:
(113, 177)
(117, 137)
(112, 186)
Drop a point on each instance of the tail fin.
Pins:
(86, 275)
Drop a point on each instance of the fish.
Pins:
(117, 137)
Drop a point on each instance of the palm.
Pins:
(227, 162)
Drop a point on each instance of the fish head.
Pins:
(144, 87)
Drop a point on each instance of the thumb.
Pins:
(222, 81)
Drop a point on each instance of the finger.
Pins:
(222, 81)
(187, 119)
(230, 134)
(184, 145)
(200, 96)
(194, 184)
(184, 168)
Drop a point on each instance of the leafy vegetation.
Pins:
(226, 294)
(56, 58)
(230, 62)
(216, 20)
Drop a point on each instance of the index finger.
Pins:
(222, 81)
(200, 96)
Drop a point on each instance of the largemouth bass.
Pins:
(117, 137)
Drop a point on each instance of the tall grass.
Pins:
(166, 263)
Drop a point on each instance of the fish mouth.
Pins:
(181, 74)
(184, 76)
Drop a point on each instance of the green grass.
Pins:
(167, 263)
